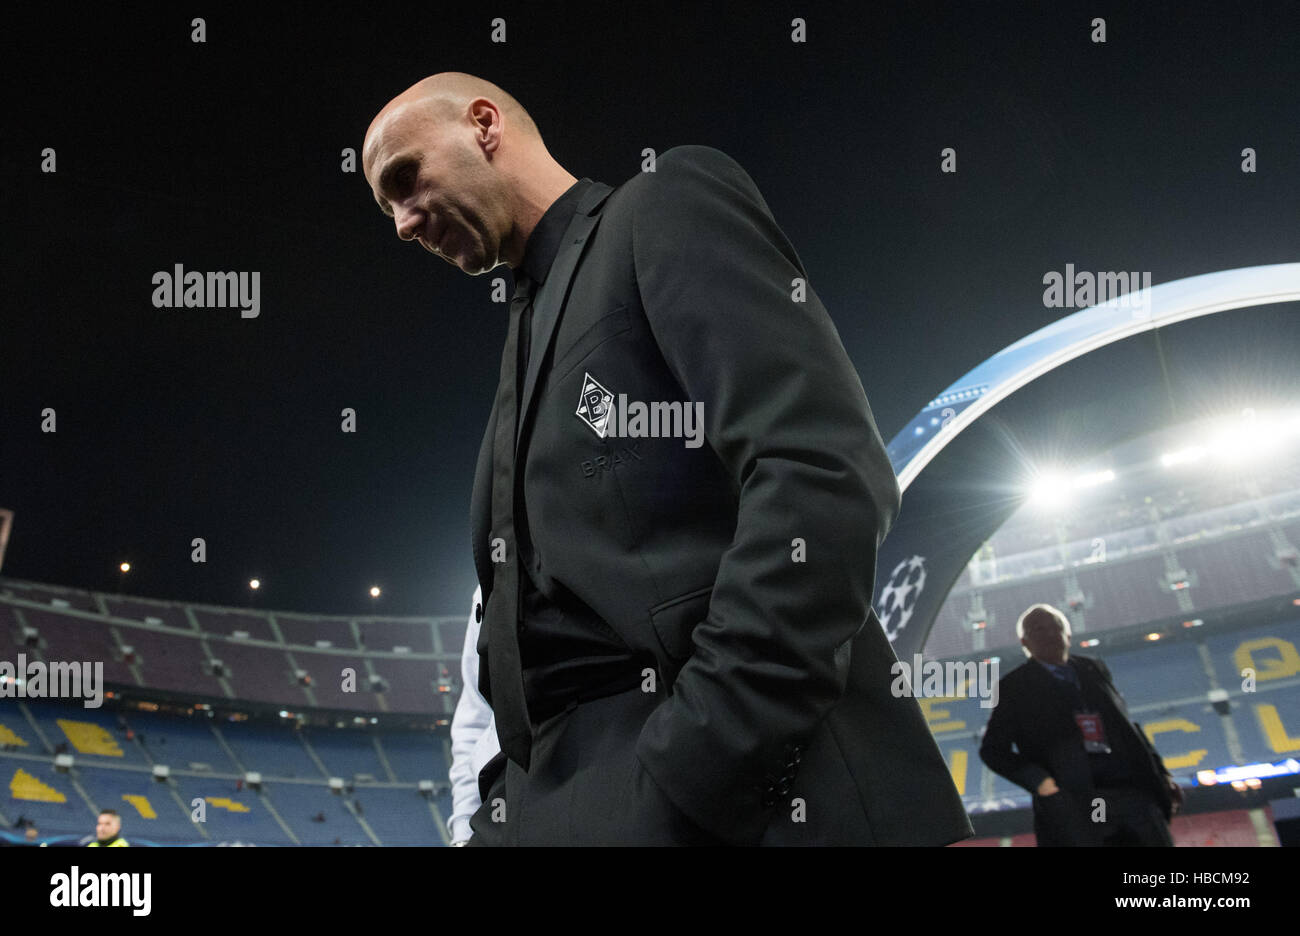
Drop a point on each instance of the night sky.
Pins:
(225, 155)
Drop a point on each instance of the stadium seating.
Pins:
(113, 769)
(1221, 535)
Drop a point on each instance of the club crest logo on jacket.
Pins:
(594, 404)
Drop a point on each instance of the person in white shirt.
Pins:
(473, 734)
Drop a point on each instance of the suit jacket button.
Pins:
(478, 612)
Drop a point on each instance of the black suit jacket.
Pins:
(677, 286)
(1035, 713)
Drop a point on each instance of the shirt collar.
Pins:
(545, 240)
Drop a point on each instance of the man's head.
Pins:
(108, 826)
(461, 168)
(1044, 633)
(32, 834)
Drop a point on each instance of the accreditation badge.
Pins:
(1094, 732)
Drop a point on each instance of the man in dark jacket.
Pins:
(677, 638)
(1095, 777)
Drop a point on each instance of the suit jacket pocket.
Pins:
(605, 327)
(674, 621)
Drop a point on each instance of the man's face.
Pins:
(435, 182)
(107, 827)
(1046, 638)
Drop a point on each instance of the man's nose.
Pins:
(409, 222)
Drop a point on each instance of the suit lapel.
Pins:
(1090, 675)
(546, 318)
(550, 299)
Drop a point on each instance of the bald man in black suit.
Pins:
(677, 639)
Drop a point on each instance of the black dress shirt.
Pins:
(567, 652)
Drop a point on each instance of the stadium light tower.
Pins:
(122, 569)
(375, 591)
(1053, 490)
(1050, 491)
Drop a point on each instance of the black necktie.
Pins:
(505, 671)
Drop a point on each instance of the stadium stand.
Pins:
(1189, 593)
(1138, 554)
(276, 706)
(209, 761)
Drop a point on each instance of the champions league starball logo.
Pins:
(898, 597)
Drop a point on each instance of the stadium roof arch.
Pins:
(966, 459)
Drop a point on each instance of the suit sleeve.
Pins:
(996, 748)
(471, 719)
(785, 412)
(1151, 748)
